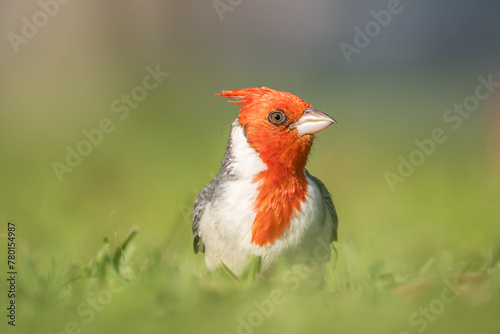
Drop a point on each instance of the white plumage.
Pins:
(226, 223)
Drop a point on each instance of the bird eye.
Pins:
(277, 117)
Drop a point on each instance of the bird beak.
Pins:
(312, 121)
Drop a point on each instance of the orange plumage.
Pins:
(263, 202)
(283, 185)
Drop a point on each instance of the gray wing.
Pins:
(327, 199)
(208, 193)
(204, 197)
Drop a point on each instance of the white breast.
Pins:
(227, 221)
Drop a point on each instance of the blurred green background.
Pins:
(441, 222)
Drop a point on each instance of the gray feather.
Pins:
(208, 194)
(327, 199)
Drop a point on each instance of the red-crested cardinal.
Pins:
(263, 202)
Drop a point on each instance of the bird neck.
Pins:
(282, 187)
(278, 169)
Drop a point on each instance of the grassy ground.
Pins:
(422, 258)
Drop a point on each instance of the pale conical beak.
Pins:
(312, 121)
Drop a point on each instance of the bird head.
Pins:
(280, 127)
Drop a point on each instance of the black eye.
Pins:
(277, 117)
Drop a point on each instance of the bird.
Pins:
(263, 202)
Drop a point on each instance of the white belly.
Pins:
(227, 228)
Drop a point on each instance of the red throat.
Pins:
(282, 187)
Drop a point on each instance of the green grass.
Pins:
(161, 290)
(80, 265)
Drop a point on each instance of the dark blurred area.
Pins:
(285, 36)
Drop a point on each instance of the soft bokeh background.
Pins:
(444, 219)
